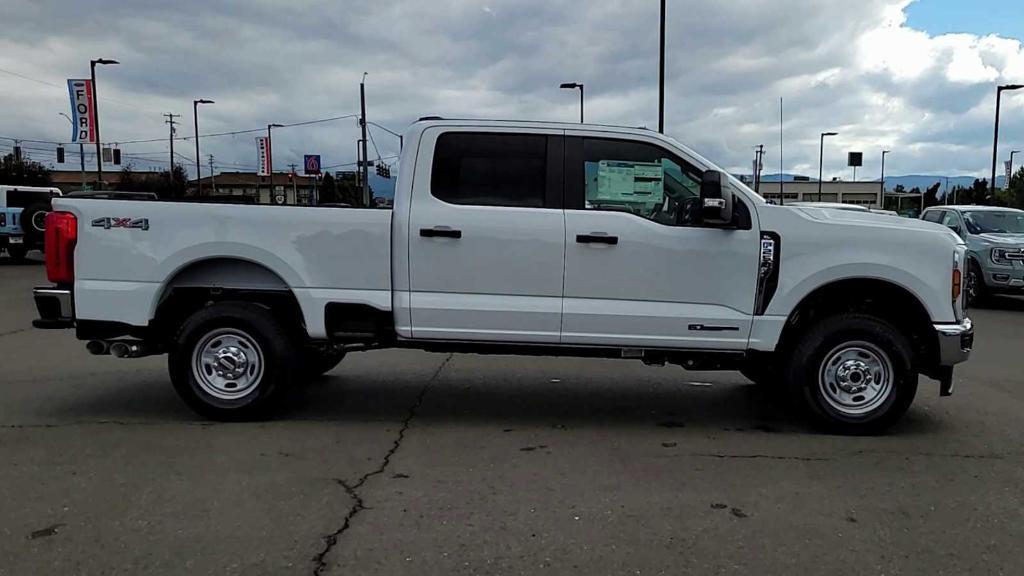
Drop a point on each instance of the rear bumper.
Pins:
(55, 307)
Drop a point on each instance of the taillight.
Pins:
(61, 237)
(3, 219)
(957, 284)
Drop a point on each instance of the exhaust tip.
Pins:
(120, 349)
(98, 347)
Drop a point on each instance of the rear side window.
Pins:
(933, 216)
(25, 198)
(490, 169)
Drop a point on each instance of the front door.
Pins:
(639, 270)
(487, 236)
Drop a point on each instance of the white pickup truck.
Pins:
(521, 238)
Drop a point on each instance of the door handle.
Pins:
(597, 238)
(437, 232)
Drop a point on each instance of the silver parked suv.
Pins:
(995, 243)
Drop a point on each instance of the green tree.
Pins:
(23, 172)
(931, 195)
(1016, 188)
(328, 189)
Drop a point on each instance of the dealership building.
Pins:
(862, 193)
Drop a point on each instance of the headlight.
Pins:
(1005, 256)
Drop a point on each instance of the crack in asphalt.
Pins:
(12, 332)
(331, 540)
(764, 456)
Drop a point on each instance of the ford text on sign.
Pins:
(83, 111)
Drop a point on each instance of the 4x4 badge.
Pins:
(133, 223)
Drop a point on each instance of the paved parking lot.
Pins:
(405, 462)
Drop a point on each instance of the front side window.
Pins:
(634, 177)
(490, 169)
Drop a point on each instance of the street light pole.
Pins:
(270, 158)
(573, 86)
(81, 149)
(995, 138)
(96, 116)
(195, 120)
(661, 73)
(884, 153)
(362, 123)
(821, 159)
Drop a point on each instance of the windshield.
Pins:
(994, 222)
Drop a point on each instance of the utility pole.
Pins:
(782, 179)
(661, 74)
(171, 122)
(362, 125)
(213, 179)
(295, 191)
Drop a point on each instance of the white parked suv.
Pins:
(521, 238)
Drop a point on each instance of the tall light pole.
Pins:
(821, 159)
(81, 149)
(884, 153)
(195, 120)
(270, 158)
(995, 139)
(661, 74)
(362, 124)
(573, 86)
(96, 114)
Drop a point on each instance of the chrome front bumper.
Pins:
(955, 342)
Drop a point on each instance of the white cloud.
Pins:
(861, 72)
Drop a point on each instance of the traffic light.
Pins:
(380, 170)
(387, 172)
(117, 156)
(60, 154)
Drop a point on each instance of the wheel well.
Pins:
(207, 282)
(879, 298)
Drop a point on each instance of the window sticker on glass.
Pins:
(639, 185)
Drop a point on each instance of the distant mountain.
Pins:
(909, 182)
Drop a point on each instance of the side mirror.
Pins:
(715, 202)
(956, 229)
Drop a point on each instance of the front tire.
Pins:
(977, 292)
(853, 374)
(232, 361)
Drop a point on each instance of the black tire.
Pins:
(267, 363)
(33, 223)
(317, 362)
(17, 253)
(977, 292)
(853, 343)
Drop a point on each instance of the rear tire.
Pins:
(853, 373)
(232, 361)
(17, 253)
(33, 223)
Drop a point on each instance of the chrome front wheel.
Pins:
(856, 378)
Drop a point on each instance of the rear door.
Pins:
(639, 270)
(487, 236)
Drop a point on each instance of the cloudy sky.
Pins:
(915, 77)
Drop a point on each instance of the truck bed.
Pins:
(129, 251)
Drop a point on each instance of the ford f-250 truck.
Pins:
(521, 238)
